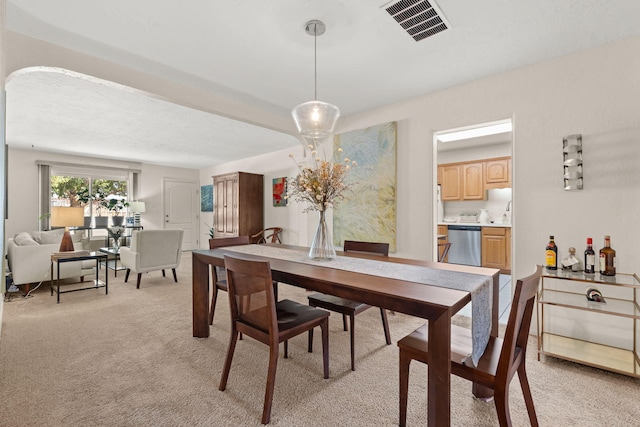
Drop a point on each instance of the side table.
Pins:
(113, 255)
(62, 257)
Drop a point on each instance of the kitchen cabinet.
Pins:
(497, 173)
(470, 180)
(443, 230)
(451, 182)
(496, 248)
(462, 181)
(473, 181)
(238, 204)
(605, 335)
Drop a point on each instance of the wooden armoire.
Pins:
(238, 204)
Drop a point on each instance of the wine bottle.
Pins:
(589, 258)
(607, 258)
(551, 255)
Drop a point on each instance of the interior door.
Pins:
(181, 210)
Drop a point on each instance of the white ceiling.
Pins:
(256, 52)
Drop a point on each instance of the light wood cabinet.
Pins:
(496, 248)
(497, 173)
(472, 181)
(238, 204)
(451, 183)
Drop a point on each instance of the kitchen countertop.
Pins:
(497, 224)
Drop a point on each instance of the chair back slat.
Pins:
(368, 247)
(517, 330)
(445, 250)
(228, 241)
(251, 296)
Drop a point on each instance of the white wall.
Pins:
(23, 187)
(595, 93)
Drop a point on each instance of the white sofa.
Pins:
(29, 257)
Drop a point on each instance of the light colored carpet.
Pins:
(129, 359)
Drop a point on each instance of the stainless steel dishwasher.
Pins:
(466, 243)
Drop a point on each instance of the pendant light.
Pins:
(315, 119)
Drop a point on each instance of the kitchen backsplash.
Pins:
(496, 205)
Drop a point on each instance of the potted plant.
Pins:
(115, 204)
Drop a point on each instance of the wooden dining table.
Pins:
(432, 302)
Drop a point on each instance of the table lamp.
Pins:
(66, 217)
(137, 208)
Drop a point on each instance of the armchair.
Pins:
(152, 250)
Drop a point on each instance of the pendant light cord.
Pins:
(315, 61)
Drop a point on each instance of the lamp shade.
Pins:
(315, 119)
(62, 216)
(137, 207)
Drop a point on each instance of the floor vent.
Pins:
(419, 18)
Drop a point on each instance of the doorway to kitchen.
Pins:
(473, 207)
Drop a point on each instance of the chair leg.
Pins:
(163, 274)
(526, 392)
(271, 381)
(352, 319)
(501, 400)
(227, 362)
(324, 326)
(138, 283)
(212, 308)
(309, 345)
(286, 349)
(175, 277)
(344, 322)
(126, 276)
(405, 360)
(275, 290)
(385, 325)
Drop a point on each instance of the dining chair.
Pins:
(444, 247)
(268, 235)
(255, 313)
(502, 358)
(352, 308)
(219, 275)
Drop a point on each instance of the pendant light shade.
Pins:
(315, 119)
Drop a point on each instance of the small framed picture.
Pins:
(279, 191)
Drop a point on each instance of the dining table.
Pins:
(433, 299)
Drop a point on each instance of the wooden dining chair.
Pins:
(268, 235)
(352, 308)
(502, 358)
(219, 275)
(443, 248)
(255, 313)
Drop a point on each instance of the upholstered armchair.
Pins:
(152, 250)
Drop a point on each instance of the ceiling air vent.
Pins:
(419, 18)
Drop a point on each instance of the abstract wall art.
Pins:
(279, 191)
(368, 212)
(206, 198)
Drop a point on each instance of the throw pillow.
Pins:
(24, 239)
(48, 237)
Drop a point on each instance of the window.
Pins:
(103, 195)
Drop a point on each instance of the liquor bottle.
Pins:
(607, 259)
(589, 258)
(551, 254)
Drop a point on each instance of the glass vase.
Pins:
(322, 244)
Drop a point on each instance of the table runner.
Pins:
(479, 286)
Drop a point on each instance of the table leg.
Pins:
(439, 387)
(200, 297)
